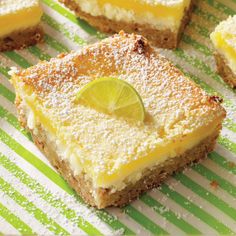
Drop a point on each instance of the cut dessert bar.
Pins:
(162, 22)
(19, 24)
(224, 41)
(108, 160)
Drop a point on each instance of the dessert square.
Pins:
(161, 22)
(108, 160)
(19, 24)
(224, 41)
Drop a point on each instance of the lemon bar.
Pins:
(108, 160)
(19, 23)
(224, 41)
(160, 21)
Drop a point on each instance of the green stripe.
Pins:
(220, 7)
(4, 71)
(55, 44)
(223, 162)
(208, 196)
(54, 177)
(206, 15)
(228, 144)
(200, 29)
(229, 124)
(103, 215)
(21, 61)
(31, 208)
(211, 176)
(70, 16)
(195, 210)
(169, 215)
(35, 161)
(200, 47)
(5, 92)
(11, 119)
(113, 222)
(15, 221)
(38, 53)
(15, 121)
(48, 196)
(55, 25)
(144, 221)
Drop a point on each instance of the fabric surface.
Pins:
(34, 199)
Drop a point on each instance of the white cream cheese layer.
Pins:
(72, 153)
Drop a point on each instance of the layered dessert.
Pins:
(110, 160)
(160, 21)
(19, 24)
(224, 41)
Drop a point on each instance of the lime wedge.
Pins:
(114, 97)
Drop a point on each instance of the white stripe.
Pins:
(157, 218)
(6, 228)
(58, 36)
(206, 184)
(181, 212)
(4, 80)
(30, 58)
(51, 212)
(5, 61)
(194, 53)
(128, 221)
(199, 20)
(48, 50)
(21, 139)
(209, 9)
(229, 134)
(230, 4)
(69, 200)
(225, 153)
(23, 215)
(195, 35)
(223, 173)
(69, 25)
(201, 203)
(7, 105)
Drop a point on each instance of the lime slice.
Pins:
(114, 97)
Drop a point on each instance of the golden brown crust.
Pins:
(224, 70)
(152, 75)
(160, 38)
(151, 177)
(21, 39)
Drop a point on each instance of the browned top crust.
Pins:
(175, 106)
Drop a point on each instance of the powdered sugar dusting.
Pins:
(11, 6)
(174, 105)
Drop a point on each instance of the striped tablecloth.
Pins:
(34, 199)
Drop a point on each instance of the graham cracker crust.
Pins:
(21, 39)
(224, 70)
(151, 178)
(160, 38)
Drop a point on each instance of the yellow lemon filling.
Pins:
(125, 173)
(159, 9)
(18, 15)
